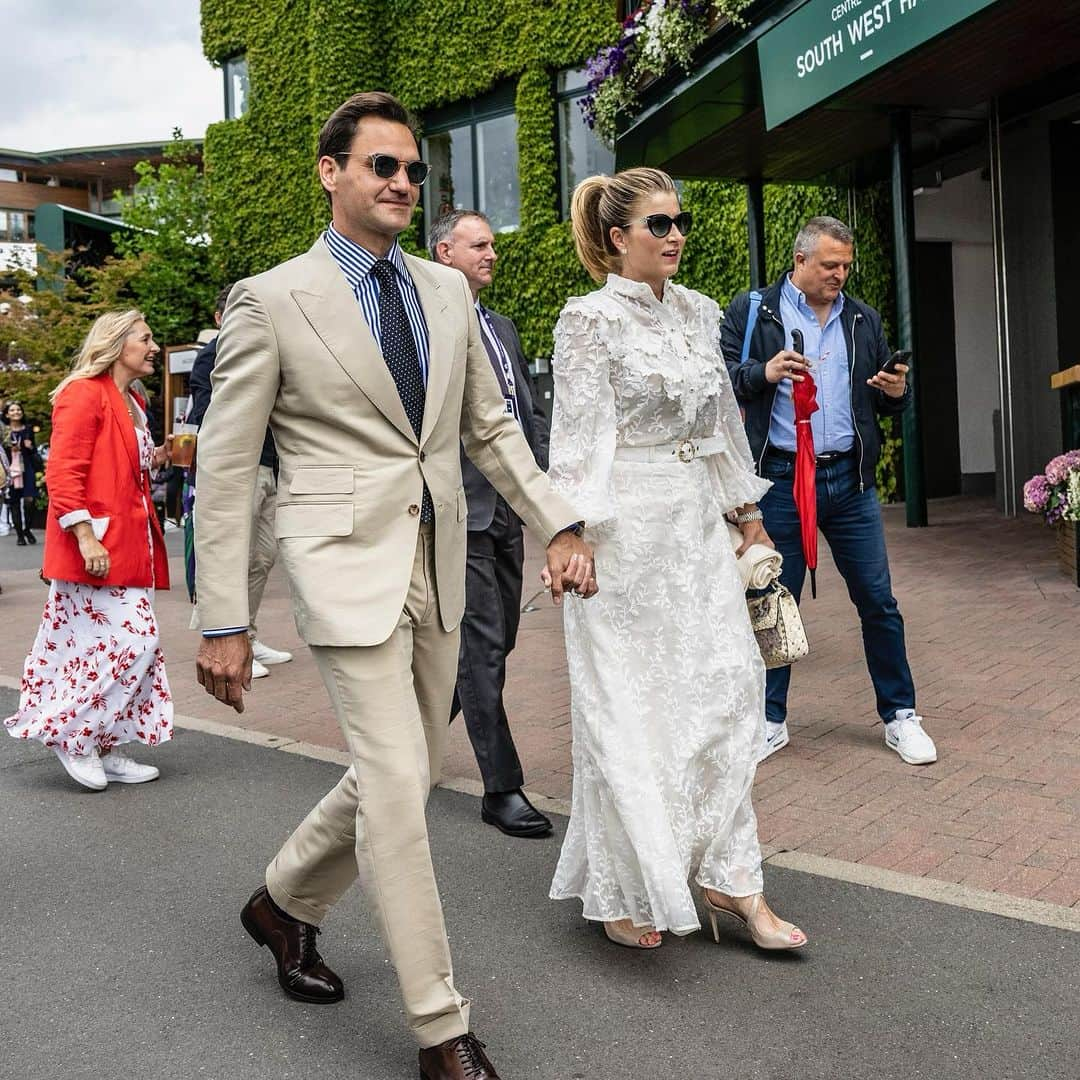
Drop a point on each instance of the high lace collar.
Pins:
(636, 290)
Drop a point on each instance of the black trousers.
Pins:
(489, 628)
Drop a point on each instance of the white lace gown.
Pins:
(667, 683)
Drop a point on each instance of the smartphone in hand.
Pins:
(901, 356)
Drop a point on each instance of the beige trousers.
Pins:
(392, 701)
(263, 545)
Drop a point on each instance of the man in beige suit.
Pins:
(369, 367)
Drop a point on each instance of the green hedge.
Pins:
(306, 56)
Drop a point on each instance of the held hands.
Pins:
(786, 365)
(569, 566)
(223, 668)
(891, 385)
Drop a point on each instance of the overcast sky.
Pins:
(98, 72)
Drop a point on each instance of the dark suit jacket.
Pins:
(479, 494)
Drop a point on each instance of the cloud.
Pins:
(97, 73)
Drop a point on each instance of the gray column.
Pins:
(903, 207)
(755, 232)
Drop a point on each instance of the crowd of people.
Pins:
(370, 424)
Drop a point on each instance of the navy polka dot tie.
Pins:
(399, 352)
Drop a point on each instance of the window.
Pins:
(581, 153)
(16, 227)
(9, 175)
(472, 150)
(236, 87)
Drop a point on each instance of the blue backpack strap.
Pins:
(751, 322)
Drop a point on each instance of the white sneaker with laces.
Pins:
(258, 671)
(120, 769)
(84, 769)
(265, 655)
(905, 735)
(776, 738)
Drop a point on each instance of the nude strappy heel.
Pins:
(786, 936)
(625, 933)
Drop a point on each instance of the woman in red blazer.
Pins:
(95, 678)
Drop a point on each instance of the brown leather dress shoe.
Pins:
(300, 969)
(462, 1058)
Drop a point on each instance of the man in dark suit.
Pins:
(495, 553)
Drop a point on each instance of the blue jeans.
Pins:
(851, 523)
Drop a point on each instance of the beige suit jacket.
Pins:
(295, 351)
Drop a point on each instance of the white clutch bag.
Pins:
(774, 615)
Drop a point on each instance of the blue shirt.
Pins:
(356, 264)
(832, 425)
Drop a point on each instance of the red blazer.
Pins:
(94, 465)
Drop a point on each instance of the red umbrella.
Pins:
(804, 488)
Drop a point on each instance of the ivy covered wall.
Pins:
(306, 56)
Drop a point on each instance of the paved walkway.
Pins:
(123, 955)
(993, 630)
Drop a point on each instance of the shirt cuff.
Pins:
(73, 518)
(225, 631)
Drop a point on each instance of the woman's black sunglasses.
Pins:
(660, 224)
(385, 167)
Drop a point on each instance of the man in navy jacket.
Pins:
(844, 347)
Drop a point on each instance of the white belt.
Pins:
(683, 450)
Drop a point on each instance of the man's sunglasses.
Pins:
(385, 167)
(660, 224)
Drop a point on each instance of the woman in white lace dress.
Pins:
(667, 683)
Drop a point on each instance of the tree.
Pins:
(169, 240)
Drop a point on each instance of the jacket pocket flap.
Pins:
(313, 519)
(322, 480)
(462, 505)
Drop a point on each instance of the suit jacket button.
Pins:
(414, 509)
(423, 456)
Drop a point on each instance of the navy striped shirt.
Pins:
(356, 264)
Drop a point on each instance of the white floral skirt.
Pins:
(96, 674)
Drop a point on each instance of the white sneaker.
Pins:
(905, 735)
(122, 770)
(84, 769)
(265, 655)
(258, 671)
(776, 738)
(170, 525)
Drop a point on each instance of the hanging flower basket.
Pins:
(656, 37)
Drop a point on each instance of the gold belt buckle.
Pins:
(686, 450)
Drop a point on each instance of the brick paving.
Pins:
(993, 634)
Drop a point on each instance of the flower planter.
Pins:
(1068, 550)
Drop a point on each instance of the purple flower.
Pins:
(1036, 494)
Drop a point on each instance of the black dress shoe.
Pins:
(31, 537)
(462, 1058)
(300, 969)
(513, 814)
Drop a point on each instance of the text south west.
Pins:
(856, 31)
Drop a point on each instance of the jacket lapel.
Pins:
(123, 418)
(441, 346)
(331, 309)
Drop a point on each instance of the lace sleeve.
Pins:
(732, 472)
(582, 447)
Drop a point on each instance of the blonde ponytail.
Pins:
(603, 203)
